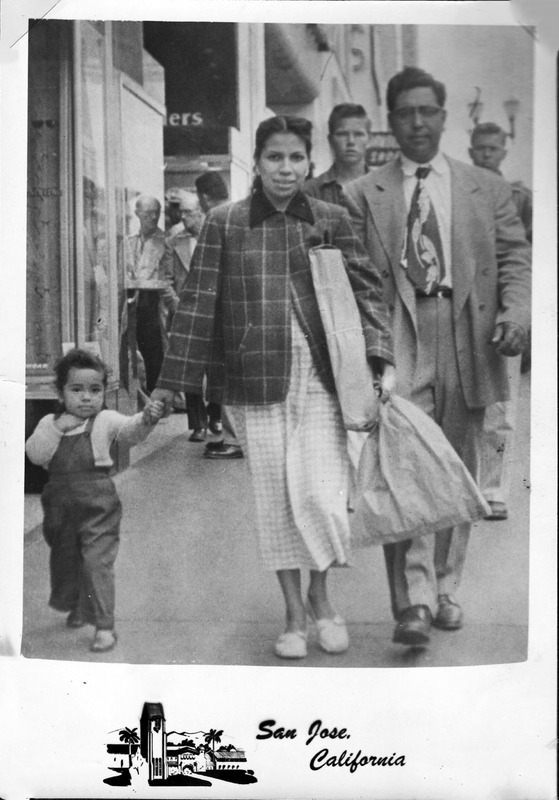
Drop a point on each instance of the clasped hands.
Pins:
(166, 397)
(154, 409)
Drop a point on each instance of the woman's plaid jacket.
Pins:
(249, 269)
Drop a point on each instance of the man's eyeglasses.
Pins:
(408, 113)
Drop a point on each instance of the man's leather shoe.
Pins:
(222, 450)
(198, 435)
(413, 626)
(215, 426)
(450, 616)
(215, 445)
(498, 510)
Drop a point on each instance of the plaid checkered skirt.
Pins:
(297, 458)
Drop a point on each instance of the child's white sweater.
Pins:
(109, 426)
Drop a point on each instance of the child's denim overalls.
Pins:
(82, 513)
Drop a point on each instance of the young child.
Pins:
(82, 510)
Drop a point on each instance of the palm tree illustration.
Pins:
(213, 737)
(129, 736)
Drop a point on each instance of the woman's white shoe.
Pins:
(291, 644)
(332, 634)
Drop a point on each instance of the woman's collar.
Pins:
(261, 207)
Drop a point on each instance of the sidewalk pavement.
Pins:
(190, 589)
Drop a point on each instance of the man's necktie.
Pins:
(423, 253)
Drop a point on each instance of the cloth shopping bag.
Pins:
(410, 480)
(340, 317)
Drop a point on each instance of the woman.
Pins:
(249, 303)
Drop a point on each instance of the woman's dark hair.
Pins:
(297, 125)
(413, 78)
(78, 359)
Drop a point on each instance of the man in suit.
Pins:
(183, 241)
(459, 295)
(349, 135)
(148, 265)
(488, 151)
(173, 222)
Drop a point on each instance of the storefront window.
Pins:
(142, 118)
(95, 143)
(93, 254)
(46, 197)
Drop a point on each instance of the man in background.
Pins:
(496, 438)
(212, 191)
(349, 135)
(173, 222)
(487, 150)
(183, 243)
(148, 266)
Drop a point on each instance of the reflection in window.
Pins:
(44, 197)
(95, 251)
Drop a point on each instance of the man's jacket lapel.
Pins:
(463, 237)
(385, 196)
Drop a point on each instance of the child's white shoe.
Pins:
(104, 641)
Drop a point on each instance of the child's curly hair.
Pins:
(78, 359)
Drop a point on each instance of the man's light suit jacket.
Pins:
(491, 270)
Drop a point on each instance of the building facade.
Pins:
(95, 121)
(153, 741)
(168, 760)
(484, 67)
(117, 109)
